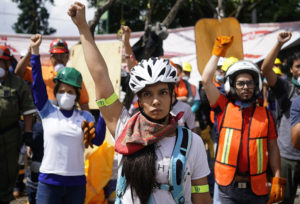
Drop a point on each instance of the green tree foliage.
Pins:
(34, 17)
(134, 12)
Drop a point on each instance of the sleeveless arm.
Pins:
(201, 198)
(211, 90)
(97, 67)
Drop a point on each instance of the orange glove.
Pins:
(277, 190)
(88, 133)
(222, 43)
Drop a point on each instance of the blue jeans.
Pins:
(50, 194)
(233, 195)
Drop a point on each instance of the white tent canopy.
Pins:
(258, 40)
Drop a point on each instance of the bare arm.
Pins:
(28, 122)
(22, 64)
(96, 66)
(267, 66)
(274, 157)
(129, 56)
(296, 136)
(201, 198)
(211, 90)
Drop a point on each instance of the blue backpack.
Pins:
(176, 170)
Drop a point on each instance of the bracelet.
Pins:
(200, 189)
(108, 101)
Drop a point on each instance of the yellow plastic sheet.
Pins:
(98, 170)
(206, 31)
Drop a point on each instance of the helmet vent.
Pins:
(149, 71)
(140, 78)
(173, 74)
(162, 72)
(132, 85)
(154, 60)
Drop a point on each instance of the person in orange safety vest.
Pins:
(183, 88)
(247, 134)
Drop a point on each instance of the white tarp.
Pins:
(258, 40)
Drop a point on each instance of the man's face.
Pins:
(59, 58)
(244, 86)
(295, 69)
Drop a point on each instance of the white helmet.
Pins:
(151, 71)
(239, 67)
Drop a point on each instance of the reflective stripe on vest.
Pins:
(230, 140)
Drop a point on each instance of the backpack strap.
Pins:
(120, 189)
(178, 161)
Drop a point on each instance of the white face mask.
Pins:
(2, 72)
(298, 80)
(185, 78)
(58, 67)
(65, 101)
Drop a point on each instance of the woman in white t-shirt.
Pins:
(147, 139)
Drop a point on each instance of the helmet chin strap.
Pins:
(160, 121)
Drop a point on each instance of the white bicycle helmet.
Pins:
(151, 71)
(239, 67)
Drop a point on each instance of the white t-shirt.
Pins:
(63, 141)
(188, 118)
(196, 165)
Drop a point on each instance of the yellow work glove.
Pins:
(88, 133)
(277, 190)
(206, 137)
(222, 43)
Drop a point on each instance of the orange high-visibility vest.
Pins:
(230, 139)
(181, 89)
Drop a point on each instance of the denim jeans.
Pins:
(233, 195)
(51, 194)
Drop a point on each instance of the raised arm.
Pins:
(97, 67)
(22, 64)
(268, 63)
(221, 45)
(129, 56)
(39, 91)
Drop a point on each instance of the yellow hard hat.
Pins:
(277, 70)
(277, 61)
(227, 62)
(186, 67)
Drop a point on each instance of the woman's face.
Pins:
(66, 88)
(155, 100)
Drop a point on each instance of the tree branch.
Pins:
(239, 9)
(148, 18)
(98, 13)
(172, 14)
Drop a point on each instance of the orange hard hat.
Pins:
(4, 53)
(59, 46)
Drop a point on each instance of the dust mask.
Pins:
(66, 101)
(2, 72)
(58, 67)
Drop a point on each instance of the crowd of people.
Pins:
(232, 138)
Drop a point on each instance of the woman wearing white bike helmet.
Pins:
(147, 140)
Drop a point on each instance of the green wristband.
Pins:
(108, 101)
(200, 189)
